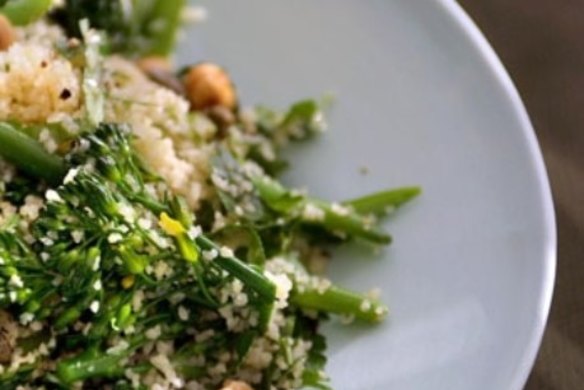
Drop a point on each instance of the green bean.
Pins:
(340, 301)
(88, 365)
(348, 223)
(379, 202)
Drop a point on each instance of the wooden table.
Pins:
(541, 42)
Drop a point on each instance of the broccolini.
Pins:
(146, 240)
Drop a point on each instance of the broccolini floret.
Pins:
(108, 226)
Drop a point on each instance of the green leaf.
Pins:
(299, 122)
(21, 12)
(303, 119)
(243, 343)
(312, 377)
(276, 196)
(246, 237)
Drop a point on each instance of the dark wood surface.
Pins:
(541, 43)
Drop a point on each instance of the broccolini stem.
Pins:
(29, 155)
(90, 365)
(340, 301)
(265, 309)
(349, 223)
(250, 276)
(380, 202)
(94, 363)
(68, 316)
(278, 198)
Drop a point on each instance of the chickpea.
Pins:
(208, 85)
(235, 385)
(6, 33)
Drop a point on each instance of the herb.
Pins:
(92, 233)
(28, 154)
(274, 130)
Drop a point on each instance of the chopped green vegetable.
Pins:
(299, 122)
(333, 217)
(249, 275)
(142, 245)
(340, 301)
(29, 155)
(384, 201)
(314, 377)
(91, 365)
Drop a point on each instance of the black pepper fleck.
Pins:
(65, 94)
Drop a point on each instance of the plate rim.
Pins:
(549, 256)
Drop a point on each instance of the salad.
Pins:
(145, 239)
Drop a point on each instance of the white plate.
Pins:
(422, 99)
